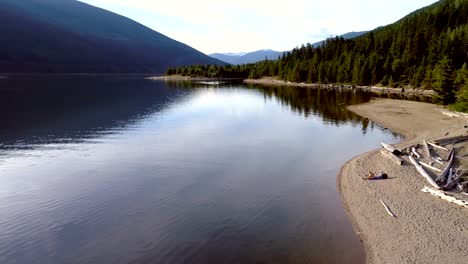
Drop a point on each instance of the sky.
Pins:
(247, 25)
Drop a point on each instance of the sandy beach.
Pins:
(426, 229)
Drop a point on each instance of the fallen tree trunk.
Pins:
(445, 197)
(449, 156)
(391, 148)
(426, 148)
(450, 140)
(394, 157)
(430, 167)
(423, 173)
(437, 146)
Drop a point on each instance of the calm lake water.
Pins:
(125, 170)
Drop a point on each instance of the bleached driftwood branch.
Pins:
(388, 209)
(438, 160)
(426, 148)
(430, 167)
(421, 171)
(394, 157)
(437, 146)
(415, 152)
(445, 197)
(391, 148)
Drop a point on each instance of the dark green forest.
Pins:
(427, 49)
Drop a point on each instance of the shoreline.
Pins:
(396, 93)
(188, 78)
(426, 229)
(381, 91)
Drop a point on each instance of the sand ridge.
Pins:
(426, 229)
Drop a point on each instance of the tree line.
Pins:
(427, 49)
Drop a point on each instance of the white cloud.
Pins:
(247, 25)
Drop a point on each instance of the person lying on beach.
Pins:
(379, 176)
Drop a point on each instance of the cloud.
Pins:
(247, 25)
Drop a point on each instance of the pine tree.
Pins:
(444, 77)
(391, 83)
(462, 95)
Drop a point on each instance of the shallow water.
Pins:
(125, 170)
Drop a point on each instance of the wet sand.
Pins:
(426, 229)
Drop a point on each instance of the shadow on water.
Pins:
(73, 109)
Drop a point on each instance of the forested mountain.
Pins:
(349, 35)
(70, 36)
(428, 49)
(250, 57)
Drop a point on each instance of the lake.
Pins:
(118, 169)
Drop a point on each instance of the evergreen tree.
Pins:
(444, 78)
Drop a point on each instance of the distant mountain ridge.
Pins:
(248, 57)
(349, 35)
(70, 36)
(259, 55)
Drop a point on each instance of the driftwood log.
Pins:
(445, 197)
(451, 140)
(421, 171)
(430, 167)
(450, 154)
(437, 146)
(391, 148)
(450, 184)
(449, 179)
(426, 148)
(415, 152)
(392, 156)
(441, 177)
(438, 160)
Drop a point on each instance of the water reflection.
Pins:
(124, 170)
(39, 110)
(330, 105)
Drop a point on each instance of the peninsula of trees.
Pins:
(427, 49)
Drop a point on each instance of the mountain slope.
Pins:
(70, 36)
(349, 35)
(250, 57)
